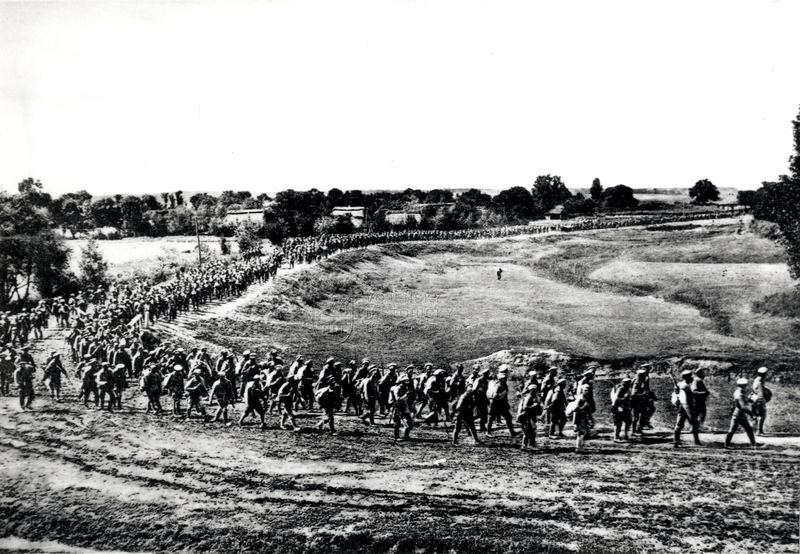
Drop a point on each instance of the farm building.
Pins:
(400, 218)
(356, 214)
(236, 217)
(556, 213)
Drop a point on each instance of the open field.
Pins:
(606, 295)
(144, 255)
(77, 478)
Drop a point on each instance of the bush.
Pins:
(781, 304)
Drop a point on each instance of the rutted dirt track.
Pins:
(131, 482)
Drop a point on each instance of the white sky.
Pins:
(142, 97)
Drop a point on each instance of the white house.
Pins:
(237, 217)
(356, 214)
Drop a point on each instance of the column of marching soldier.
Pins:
(110, 343)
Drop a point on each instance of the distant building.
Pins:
(400, 218)
(356, 214)
(237, 217)
(447, 206)
(556, 213)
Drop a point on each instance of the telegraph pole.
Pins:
(199, 250)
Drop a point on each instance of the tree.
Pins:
(165, 200)
(179, 198)
(92, 266)
(746, 197)
(596, 190)
(619, 198)
(514, 204)
(132, 210)
(202, 199)
(149, 202)
(474, 197)
(247, 236)
(703, 192)
(578, 205)
(106, 213)
(548, 192)
(30, 253)
(338, 225)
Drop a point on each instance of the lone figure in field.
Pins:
(499, 273)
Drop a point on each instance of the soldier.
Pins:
(53, 370)
(223, 391)
(287, 396)
(582, 416)
(305, 379)
(479, 399)
(528, 410)
(640, 397)
(401, 399)
(196, 389)
(742, 409)
(174, 384)
(151, 386)
(465, 416)
(548, 384)
(87, 372)
(701, 395)
(434, 390)
(387, 381)
(253, 396)
(23, 378)
(369, 393)
(105, 386)
(497, 394)
(686, 409)
(760, 397)
(556, 405)
(6, 372)
(621, 409)
(499, 273)
(328, 398)
(120, 382)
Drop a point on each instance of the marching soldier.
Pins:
(527, 412)
(223, 391)
(465, 416)
(556, 404)
(253, 400)
(743, 408)
(701, 395)
(105, 386)
(401, 398)
(621, 409)
(174, 385)
(23, 378)
(196, 389)
(497, 394)
(761, 396)
(686, 409)
(53, 370)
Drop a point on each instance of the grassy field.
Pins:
(609, 295)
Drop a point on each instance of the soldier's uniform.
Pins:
(556, 405)
(23, 377)
(52, 374)
(253, 396)
(223, 391)
(497, 394)
(621, 409)
(528, 410)
(401, 398)
(760, 397)
(465, 416)
(743, 408)
(701, 395)
(686, 409)
(6, 373)
(196, 389)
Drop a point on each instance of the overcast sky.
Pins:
(142, 97)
